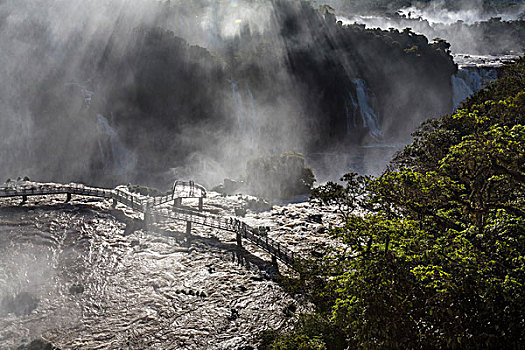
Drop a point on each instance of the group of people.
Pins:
(238, 224)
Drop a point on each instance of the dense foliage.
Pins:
(436, 256)
(494, 36)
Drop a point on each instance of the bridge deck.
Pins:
(149, 206)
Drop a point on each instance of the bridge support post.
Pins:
(239, 239)
(201, 203)
(274, 263)
(68, 197)
(188, 227)
(177, 202)
(147, 219)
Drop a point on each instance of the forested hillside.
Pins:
(431, 252)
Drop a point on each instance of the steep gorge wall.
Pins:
(304, 82)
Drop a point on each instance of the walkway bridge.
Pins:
(149, 206)
(180, 190)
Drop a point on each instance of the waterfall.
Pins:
(246, 113)
(350, 112)
(239, 106)
(368, 116)
(116, 157)
(251, 107)
(469, 80)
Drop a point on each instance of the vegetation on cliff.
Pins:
(171, 93)
(490, 37)
(436, 256)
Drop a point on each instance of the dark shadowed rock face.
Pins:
(407, 78)
(138, 100)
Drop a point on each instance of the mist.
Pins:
(66, 111)
(109, 92)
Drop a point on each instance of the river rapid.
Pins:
(79, 276)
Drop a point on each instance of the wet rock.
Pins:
(38, 344)
(290, 310)
(240, 211)
(259, 205)
(234, 314)
(219, 189)
(318, 253)
(318, 218)
(22, 304)
(76, 289)
(133, 225)
(231, 186)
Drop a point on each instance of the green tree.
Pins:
(431, 253)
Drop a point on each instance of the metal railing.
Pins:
(148, 207)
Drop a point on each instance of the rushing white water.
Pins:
(117, 156)
(439, 14)
(368, 116)
(468, 80)
(74, 276)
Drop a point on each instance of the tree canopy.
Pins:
(432, 253)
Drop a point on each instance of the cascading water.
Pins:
(368, 116)
(252, 111)
(116, 157)
(351, 108)
(245, 113)
(237, 100)
(468, 80)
